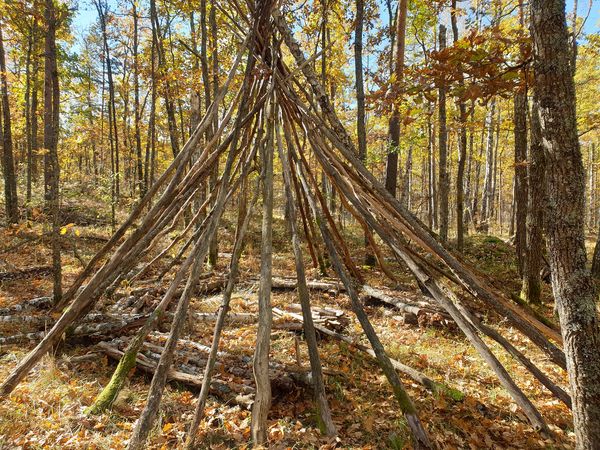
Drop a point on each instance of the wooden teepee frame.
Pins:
(277, 109)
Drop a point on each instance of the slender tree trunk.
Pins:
(405, 197)
(572, 283)
(167, 94)
(433, 197)
(51, 129)
(151, 140)
(113, 136)
(488, 184)
(520, 191)
(31, 68)
(591, 208)
(262, 401)
(536, 201)
(213, 252)
(391, 171)
(91, 124)
(444, 177)
(462, 147)
(11, 201)
(136, 103)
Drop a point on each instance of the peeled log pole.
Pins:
(262, 402)
(421, 440)
(222, 314)
(323, 412)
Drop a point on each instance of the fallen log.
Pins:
(417, 308)
(205, 286)
(291, 283)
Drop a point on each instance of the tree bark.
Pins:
(51, 129)
(213, 252)
(462, 147)
(136, 103)
(488, 185)
(167, 94)
(262, 401)
(444, 176)
(572, 283)
(520, 191)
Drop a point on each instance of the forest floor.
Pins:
(46, 410)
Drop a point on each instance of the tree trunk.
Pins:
(572, 283)
(520, 190)
(213, 252)
(262, 401)
(444, 177)
(113, 135)
(488, 184)
(432, 178)
(391, 170)
(167, 94)
(462, 147)
(11, 201)
(405, 198)
(136, 87)
(151, 140)
(51, 128)
(31, 69)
